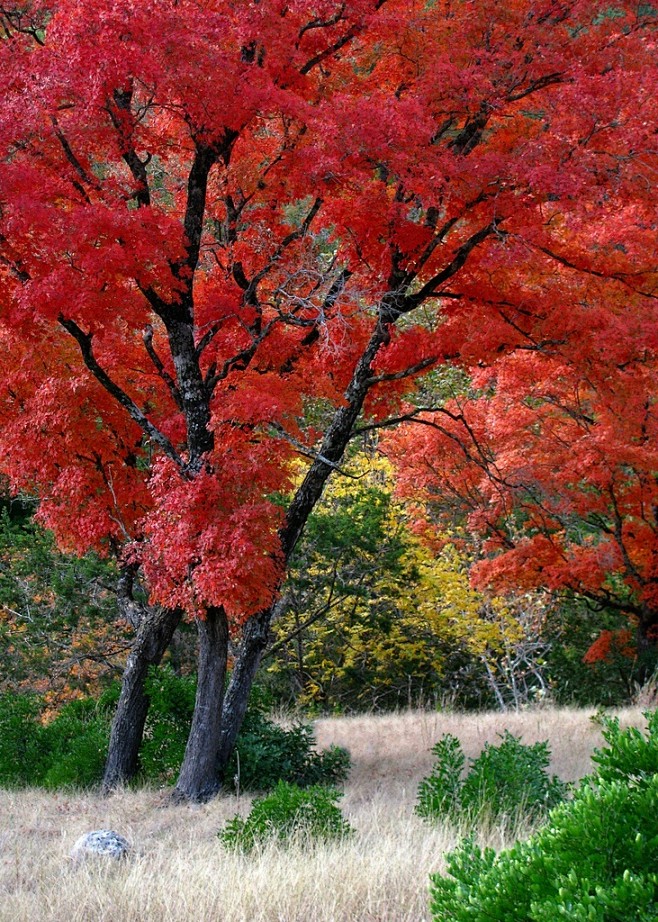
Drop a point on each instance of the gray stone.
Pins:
(103, 842)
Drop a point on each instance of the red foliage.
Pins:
(206, 207)
(610, 642)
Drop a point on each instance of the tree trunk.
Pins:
(199, 777)
(247, 661)
(647, 651)
(155, 630)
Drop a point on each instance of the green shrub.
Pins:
(504, 783)
(595, 860)
(22, 753)
(630, 755)
(76, 744)
(167, 725)
(266, 753)
(69, 751)
(285, 813)
(439, 793)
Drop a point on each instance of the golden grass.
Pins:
(181, 872)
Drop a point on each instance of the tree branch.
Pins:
(84, 341)
(406, 373)
(309, 453)
(396, 303)
(301, 231)
(75, 163)
(617, 276)
(147, 337)
(351, 33)
(122, 100)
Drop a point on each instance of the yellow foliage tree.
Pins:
(372, 617)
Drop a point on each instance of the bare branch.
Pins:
(405, 373)
(301, 231)
(147, 337)
(309, 453)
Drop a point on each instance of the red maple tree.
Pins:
(228, 231)
(549, 454)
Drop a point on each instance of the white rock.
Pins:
(103, 842)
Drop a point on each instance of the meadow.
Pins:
(180, 871)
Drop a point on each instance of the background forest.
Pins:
(373, 618)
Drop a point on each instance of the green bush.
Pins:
(69, 751)
(266, 753)
(439, 793)
(22, 752)
(288, 812)
(595, 860)
(76, 745)
(504, 783)
(167, 725)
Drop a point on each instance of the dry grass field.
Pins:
(181, 872)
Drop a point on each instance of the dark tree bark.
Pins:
(154, 633)
(646, 638)
(254, 641)
(199, 777)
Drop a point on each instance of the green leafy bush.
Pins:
(69, 751)
(595, 860)
(167, 725)
(267, 753)
(22, 753)
(76, 743)
(288, 812)
(439, 793)
(504, 783)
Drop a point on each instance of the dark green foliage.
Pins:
(76, 742)
(71, 749)
(570, 631)
(22, 755)
(167, 725)
(439, 793)
(288, 812)
(595, 860)
(266, 753)
(505, 783)
(630, 756)
(510, 780)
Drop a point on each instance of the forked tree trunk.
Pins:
(216, 722)
(199, 777)
(154, 633)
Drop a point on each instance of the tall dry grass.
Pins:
(180, 871)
